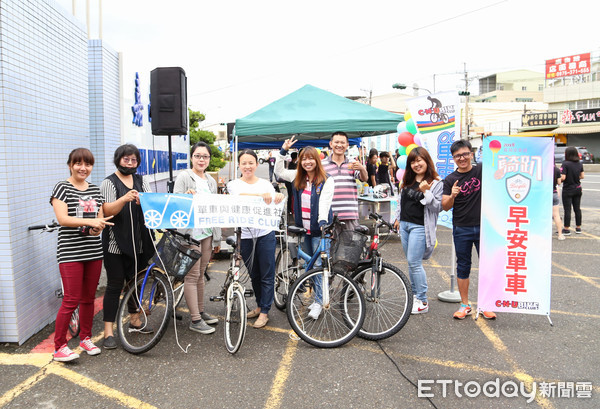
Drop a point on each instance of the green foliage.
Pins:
(196, 135)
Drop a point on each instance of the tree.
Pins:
(196, 135)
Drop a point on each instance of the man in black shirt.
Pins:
(462, 191)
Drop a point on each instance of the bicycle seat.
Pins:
(231, 240)
(362, 229)
(296, 231)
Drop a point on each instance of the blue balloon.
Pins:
(401, 162)
(401, 127)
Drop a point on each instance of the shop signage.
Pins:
(540, 119)
(568, 66)
(580, 116)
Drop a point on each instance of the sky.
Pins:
(242, 55)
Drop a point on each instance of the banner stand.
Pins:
(451, 295)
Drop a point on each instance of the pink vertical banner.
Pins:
(516, 225)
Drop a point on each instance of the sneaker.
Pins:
(463, 311)
(64, 354)
(315, 311)
(566, 232)
(578, 230)
(88, 346)
(142, 329)
(209, 319)
(561, 237)
(202, 327)
(419, 307)
(109, 342)
(488, 315)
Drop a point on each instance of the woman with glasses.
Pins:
(197, 181)
(312, 191)
(419, 203)
(127, 245)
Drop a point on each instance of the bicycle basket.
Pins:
(177, 258)
(347, 250)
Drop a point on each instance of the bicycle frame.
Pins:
(322, 251)
(375, 257)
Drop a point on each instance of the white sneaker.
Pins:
(419, 307)
(315, 310)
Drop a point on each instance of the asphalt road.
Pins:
(272, 370)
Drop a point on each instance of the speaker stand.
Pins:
(170, 183)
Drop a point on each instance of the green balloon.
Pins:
(411, 126)
(401, 150)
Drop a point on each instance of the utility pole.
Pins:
(467, 123)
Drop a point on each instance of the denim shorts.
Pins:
(555, 199)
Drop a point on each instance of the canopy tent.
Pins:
(312, 113)
(317, 143)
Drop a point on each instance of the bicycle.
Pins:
(341, 300)
(150, 295)
(74, 321)
(386, 288)
(234, 295)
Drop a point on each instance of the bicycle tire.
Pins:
(338, 323)
(235, 320)
(157, 302)
(284, 278)
(74, 327)
(388, 313)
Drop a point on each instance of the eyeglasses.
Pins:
(133, 161)
(203, 157)
(462, 155)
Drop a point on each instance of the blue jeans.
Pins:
(464, 239)
(413, 243)
(310, 244)
(259, 259)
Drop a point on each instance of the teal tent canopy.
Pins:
(313, 113)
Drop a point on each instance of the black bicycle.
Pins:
(149, 299)
(74, 321)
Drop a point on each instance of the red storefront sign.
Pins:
(568, 66)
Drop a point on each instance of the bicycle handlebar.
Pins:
(328, 228)
(380, 220)
(47, 227)
(186, 237)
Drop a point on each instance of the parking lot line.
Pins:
(10, 395)
(283, 372)
(577, 275)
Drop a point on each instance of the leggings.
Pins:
(193, 284)
(572, 197)
(119, 269)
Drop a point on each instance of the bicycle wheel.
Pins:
(235, 320)
(74, 323)
(155, 310)
(338, 322)
(284, 277)
(389, 310)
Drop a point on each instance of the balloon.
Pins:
(401, 162)
(411, 126)
(322, 155)
(401, 127)
(417, 139)
(407, 116)
(399, 174)
(401, 150)
(319, 150)
(411, 147)
(405, 138)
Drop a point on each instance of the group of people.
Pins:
(106, 223)
(381, 169)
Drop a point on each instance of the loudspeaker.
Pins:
(168, 101)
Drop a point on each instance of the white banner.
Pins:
(236, 211)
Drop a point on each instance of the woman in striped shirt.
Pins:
(312, 191)
(78, 208)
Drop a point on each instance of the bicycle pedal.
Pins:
(217, 298)
(248, 293)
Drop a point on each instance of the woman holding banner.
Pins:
(312, 191)
(419, 203)
(197, 181)
(258, 245)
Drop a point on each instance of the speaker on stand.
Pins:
(168, 107)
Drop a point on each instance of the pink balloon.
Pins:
(399, 174)
(417, 140)
(405, 138)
